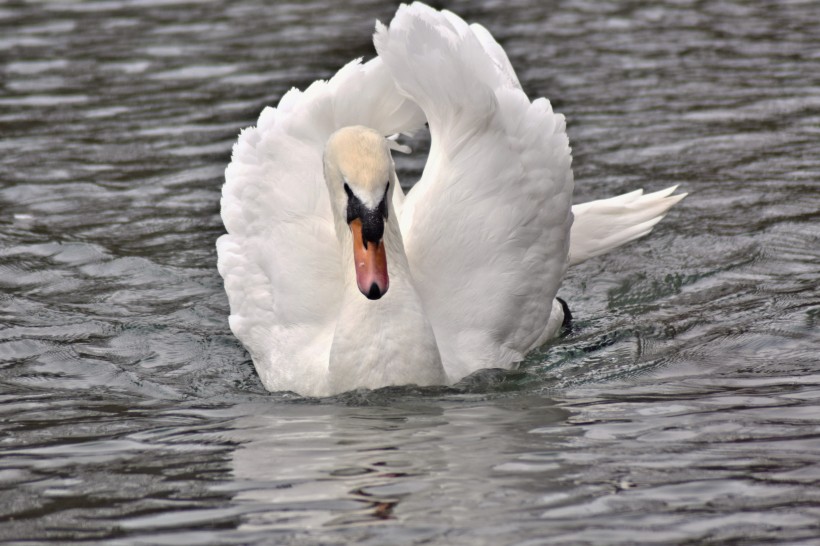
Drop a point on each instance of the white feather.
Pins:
(606, 224)
(280, 259)
(486, 228)
(477, 249)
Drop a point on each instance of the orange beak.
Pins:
(370, 261)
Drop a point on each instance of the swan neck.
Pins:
(387, 341)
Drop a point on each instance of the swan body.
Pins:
(337, 280)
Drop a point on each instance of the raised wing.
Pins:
(486, 229)
(280, 258)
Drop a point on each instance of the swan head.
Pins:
(359, 171)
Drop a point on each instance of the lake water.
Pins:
(683, 408)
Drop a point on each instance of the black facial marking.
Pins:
(383, 205)
(353, 205)
(372, 220)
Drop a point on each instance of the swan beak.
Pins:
(370, 260)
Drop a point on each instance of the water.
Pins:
(683, 408)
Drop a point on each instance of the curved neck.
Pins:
(382, 342)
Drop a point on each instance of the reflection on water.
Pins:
(336, 466)
(682, 408)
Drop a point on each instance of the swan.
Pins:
(338, 280)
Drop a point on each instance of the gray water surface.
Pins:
(683, 408)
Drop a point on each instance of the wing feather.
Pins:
(280, 258)
(486, 229)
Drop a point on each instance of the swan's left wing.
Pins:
(280, 258)
(487, 227)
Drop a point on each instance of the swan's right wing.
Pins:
(487, 227)
(605, 224)
(280, 259)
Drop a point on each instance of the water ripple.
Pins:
(682, 408)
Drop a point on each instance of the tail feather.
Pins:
(603, 225)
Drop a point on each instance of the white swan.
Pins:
(337, 280)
